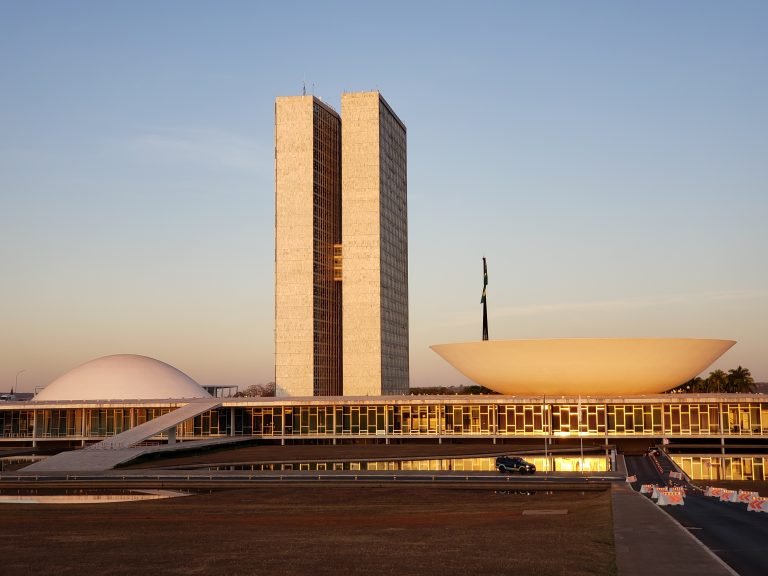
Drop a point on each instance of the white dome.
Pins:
(122, 377)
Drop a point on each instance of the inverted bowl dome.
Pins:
(588, 366)
(122, 377)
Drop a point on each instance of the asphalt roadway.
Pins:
(739, 537)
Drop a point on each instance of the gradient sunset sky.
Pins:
(610, 159)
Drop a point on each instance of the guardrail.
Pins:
(315, 477)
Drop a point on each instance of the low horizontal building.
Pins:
(718, 423)
(677, 416)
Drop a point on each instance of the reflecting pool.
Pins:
(483, 464)
(83, 496)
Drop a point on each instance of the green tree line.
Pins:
(451, 390)
(734, 381)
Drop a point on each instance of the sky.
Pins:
(610, 159)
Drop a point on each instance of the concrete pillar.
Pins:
(172, 435)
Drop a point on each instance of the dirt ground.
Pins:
(306, 529)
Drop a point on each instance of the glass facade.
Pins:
(393, 246)
(724, 467)
(326, 301)
(470, 417)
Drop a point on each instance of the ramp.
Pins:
(108, 453)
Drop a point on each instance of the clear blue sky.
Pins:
(610, 159)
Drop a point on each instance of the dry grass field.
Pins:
(316, 529)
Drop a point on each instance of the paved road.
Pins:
(737, 536)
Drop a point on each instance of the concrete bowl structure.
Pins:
(583, 366)
(122, 377)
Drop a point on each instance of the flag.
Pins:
(485, 280)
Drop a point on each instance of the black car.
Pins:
(514, 464)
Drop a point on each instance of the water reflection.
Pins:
(15, 462)
(484, 464)
(83, 496)
(520, 492)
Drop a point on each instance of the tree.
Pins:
(717, 381)
(740, 380)
(693, 386)
(698, 385)
(737, 380)
(450, 390)
(257, 390)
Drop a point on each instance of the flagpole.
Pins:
(16, 387)
(483, 300)
(581, 440)
(544, 429)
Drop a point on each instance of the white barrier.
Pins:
(646, 488)
(753, 500)
(670, 498)
(746, 496)
(727, 495)
(678, 490)
(758, 505)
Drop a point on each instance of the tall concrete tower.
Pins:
(341, 248)
(307, 226)
(375, 246)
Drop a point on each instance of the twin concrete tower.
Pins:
(341, 248)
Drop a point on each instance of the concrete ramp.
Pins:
(108, 453)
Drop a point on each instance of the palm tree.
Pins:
(740, 380)
(697, 385)
(717, 381)
(693, 386)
